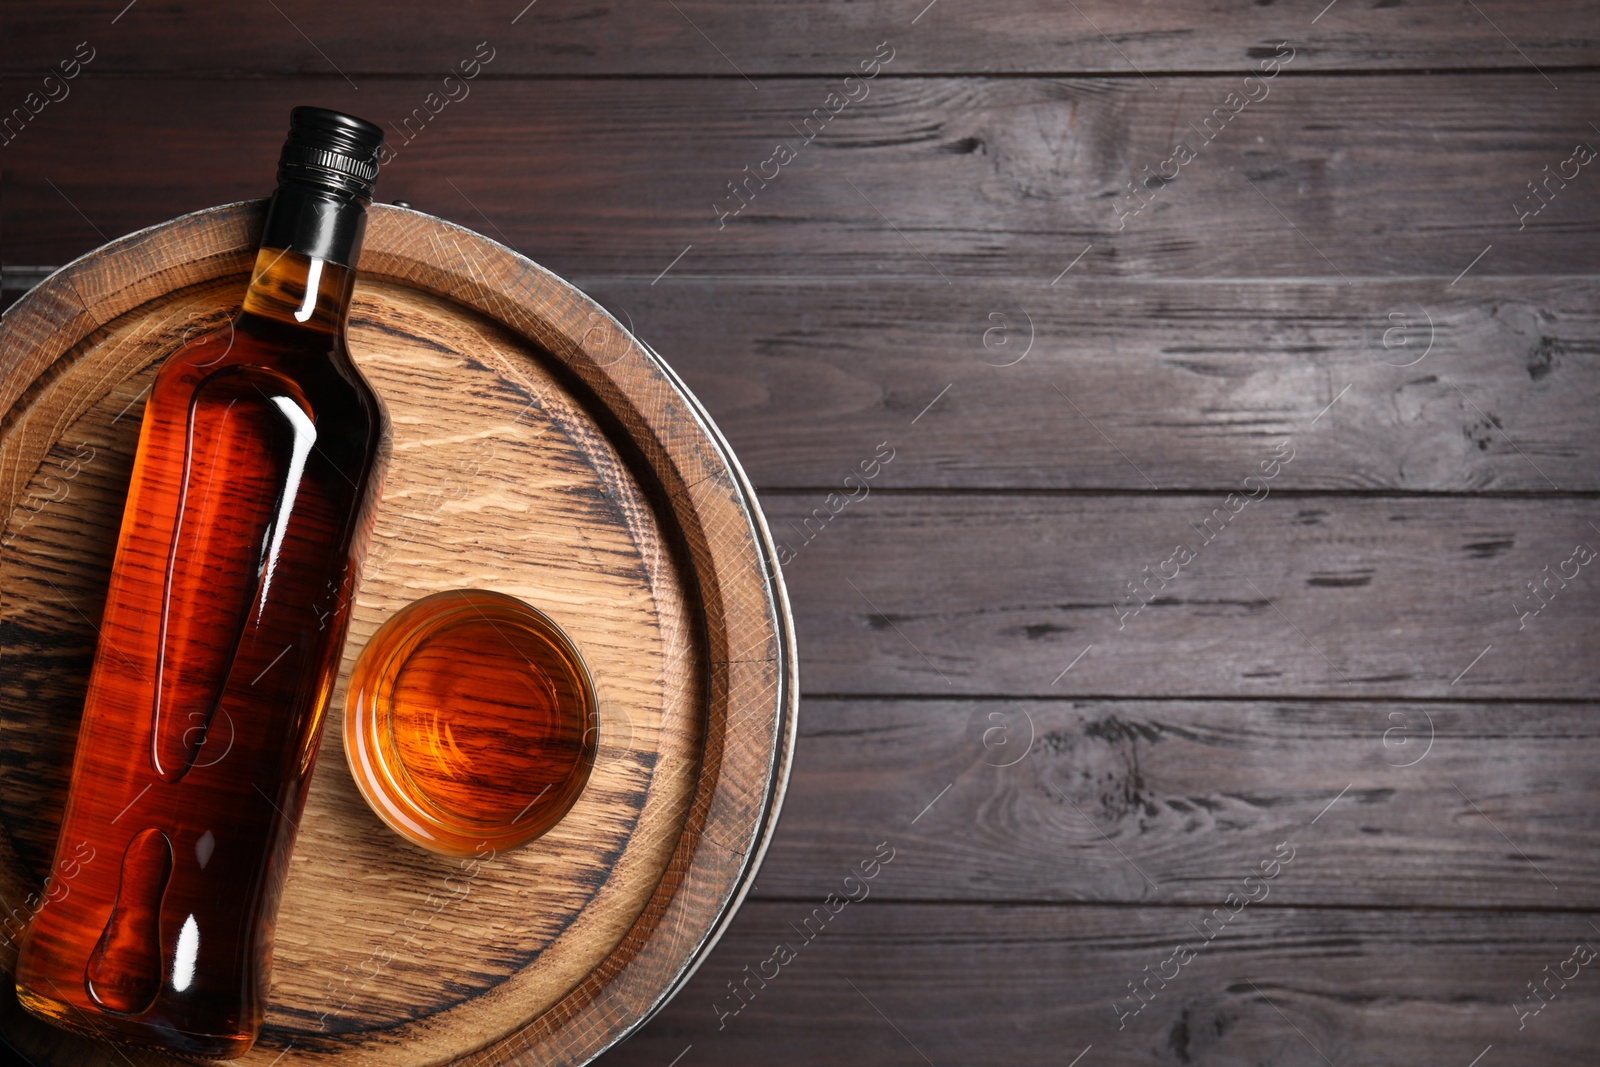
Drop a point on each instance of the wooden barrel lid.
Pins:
(539, 450)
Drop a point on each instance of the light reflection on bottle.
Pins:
(188, 951)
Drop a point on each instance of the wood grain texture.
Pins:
(507, 473)
(1182, 381)
(813, 37)
(1102, 384)
(1214, 323)
(1082, 801)
(996, 985)
(1343, 597)
(982, 177)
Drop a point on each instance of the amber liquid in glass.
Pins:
(246, 520)
(470, 722)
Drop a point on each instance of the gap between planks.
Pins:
(1021, 903)
(229, 74)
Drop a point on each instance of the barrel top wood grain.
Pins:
(539, 450)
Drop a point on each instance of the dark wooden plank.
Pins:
(1123, 384)
(942, 179)
(724, 37)
(912, 985)
(1396, 805)
(1178, 382)
(1348, 597)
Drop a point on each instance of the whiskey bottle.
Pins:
(247, 516)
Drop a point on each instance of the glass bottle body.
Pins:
(247, 516)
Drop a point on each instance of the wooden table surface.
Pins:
(1181, 422)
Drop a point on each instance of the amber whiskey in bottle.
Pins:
(246, 520)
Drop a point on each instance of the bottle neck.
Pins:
(315, 221)
(304, 272)
(300, 290)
